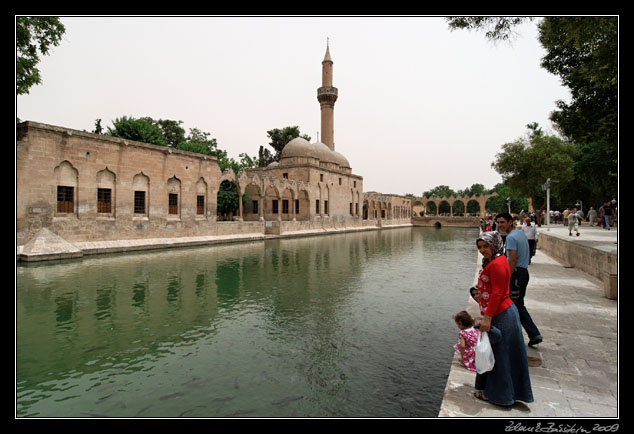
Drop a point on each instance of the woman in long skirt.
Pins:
(509, 380)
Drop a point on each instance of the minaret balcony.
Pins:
(327, 93)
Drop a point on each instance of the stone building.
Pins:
(83, 186)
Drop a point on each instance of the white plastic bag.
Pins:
(484, 359)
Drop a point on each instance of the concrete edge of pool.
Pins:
(49, 247)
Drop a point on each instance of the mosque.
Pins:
(77, 188)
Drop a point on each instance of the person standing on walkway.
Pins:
(607, 214)
(530, 230)
(509, 380)
(573, 222)
(592, 215)
(517, 252)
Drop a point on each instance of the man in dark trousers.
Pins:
(518, 254)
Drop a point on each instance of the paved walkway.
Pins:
(576, 372)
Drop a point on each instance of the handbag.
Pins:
(484, 359)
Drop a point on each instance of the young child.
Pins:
(467, 339)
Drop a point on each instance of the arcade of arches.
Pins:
(455, 205)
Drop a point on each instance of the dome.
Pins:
(298, 147)
(341, 160)
(324, 153)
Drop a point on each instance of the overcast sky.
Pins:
(419, 105)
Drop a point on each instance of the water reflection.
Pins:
(339, 325)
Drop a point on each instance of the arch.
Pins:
(474, 207)
(253, 207)
(271, 203)
(141, 194)
(444, 207)
(228, 200)
(302, 207)
(201, 198)
(174, 196)
(66, 180)
(458, 208)
(287, 202)
(106, 193)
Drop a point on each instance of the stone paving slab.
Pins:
(578, 373)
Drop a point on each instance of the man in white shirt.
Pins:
(531, 233)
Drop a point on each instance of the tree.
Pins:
(496, 28)
(440, 191)
(228, 200)
(526, 164)
(143, 130)
(583, 52)
(199, 141)
(98, 128)
(33, 35)
(172, 131)
(278, 139)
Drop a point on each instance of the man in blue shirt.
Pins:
(518, 254)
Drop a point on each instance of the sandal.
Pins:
(479, 395)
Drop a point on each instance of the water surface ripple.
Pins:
(345, 325)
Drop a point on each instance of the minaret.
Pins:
(327, 95)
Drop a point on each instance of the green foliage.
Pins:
(526, 164)
(143, 130)
(583, 52)
(33, 35)
(496, 28)
(278, 139)
(228, 199)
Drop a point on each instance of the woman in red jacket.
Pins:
(509, 380)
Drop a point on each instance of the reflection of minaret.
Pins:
(327, 95)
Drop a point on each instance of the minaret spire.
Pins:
(327, 95)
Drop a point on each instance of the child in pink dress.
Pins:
(467, 340)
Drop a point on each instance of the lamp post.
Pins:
(508, 202)
(546, 187)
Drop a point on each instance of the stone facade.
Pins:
(88, 187)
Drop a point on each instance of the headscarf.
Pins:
(494, 240)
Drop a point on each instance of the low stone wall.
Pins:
(439, 221)
(593, 260)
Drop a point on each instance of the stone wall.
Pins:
(90, 187)
(86, 165)
(593, 260)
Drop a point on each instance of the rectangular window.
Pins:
(275, 207)
(255, 207)
(284, 206)
(356, 209)
(285, 175)
(173, 203)
(325, 207)
(350, 208)
(339, 181)
(200, 205)
(65, 203)
(139, 202)
(321, 177)
(296, 206)
(317, 206)
(104, 200)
